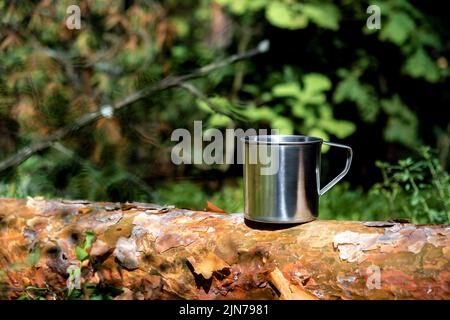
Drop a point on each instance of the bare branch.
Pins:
(86, 119)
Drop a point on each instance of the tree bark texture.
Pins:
(156, 252)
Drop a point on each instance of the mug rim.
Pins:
(281, 139)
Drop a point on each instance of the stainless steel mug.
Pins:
(289, 194)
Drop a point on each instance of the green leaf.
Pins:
(402, 124)
(348, 88)
(316, 82)
(325, 111)
(428, 38)
(252, 89)
(203, 106)
(289, 89)
(314, 85)
(264, 113)
(398, 28)
(420, 65)
(398, 131)
(74, 281)
(319, 133)
(219, 104)
(33, 257)
(285, 16)
(415, 201)
(81, 253)
(325, 15)
(363, 95)
(242, 6)
(84, 42)
(181, 27)
(283, 124)
(180, 53)
(218, 121)
(89, 240)
(299, 110)
(340, 128)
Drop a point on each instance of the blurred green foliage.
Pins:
(416, 189)
(191, 196)
(326, 75)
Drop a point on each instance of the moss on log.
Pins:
(155, 252)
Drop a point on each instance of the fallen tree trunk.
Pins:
(54, 249)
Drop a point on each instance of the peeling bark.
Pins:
(156, 252)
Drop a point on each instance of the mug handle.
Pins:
(344, 172)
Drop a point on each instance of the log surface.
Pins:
(155, 252)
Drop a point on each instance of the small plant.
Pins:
(77, 289)
(81, 252)
(419, 188)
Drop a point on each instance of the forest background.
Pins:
(382, 91)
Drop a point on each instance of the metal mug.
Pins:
(291, 194)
